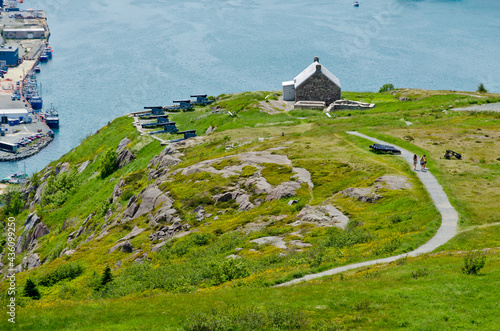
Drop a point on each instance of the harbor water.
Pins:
(113, 57)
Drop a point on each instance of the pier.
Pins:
(23, 132)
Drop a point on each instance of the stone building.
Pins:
(315, 83)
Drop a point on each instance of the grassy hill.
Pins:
(197, 232)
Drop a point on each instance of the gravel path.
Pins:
(446, 231)
(483, 107)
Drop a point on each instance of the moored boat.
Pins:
(51, 117)
(355, 4)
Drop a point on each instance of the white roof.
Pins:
(309, 71)
(23, 30)
(290, 82)
(13, 111)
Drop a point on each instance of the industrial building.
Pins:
(9, 55)
(20, 114)
(24, 33)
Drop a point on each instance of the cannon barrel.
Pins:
(198, 95)
(184, 101)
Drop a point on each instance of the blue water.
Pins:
(112, 57)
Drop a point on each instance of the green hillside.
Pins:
(196, 233)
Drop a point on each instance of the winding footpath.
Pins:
(447, 230)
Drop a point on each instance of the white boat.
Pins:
(355, 4)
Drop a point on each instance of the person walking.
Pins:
(423, 161)
(415, 161)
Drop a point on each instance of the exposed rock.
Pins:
(303, 176)
(117, 191)
(124, 157)
(164, 200)
(244, 203)
(168, 231)
(404, 99)
(124, 246)
(108, 214)
(31, 221)
(165, 215)
(238, 249)
(20, 243)
(326, 216)
(233, 256)
(31, 261)
(135, 232)
(83, 166)
(118, 264)
(62, 167)
(283, 190)
(200, 213)
(392, 182)
(131, 208)
(123, 143)
(363, 194)
(148, 195)
(299, 243)
(38, 194)
(210, 130)
(102, 234)
(89, 238)
(158, 247)
(293, 202)
(69, 252)
(272, 240)
(72, 235)
(39, 231)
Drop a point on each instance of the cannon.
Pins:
(182, 104)
(450, 153)
(154, 111)
(386, 149)
(201, 99)
(159, 122)
(188, 133)
(167, 128)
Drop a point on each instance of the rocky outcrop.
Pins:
(392, 182)
(124, 246)
(117, 191)
(134, 233)
(124, 157)
(83, 166)
(241, 198)
(363, 194)
(325, 216)
(31, 261)
(168, 231)
(62, 167)
(123, 143)
(283, 190)
(272, 240)
(210, 130)
(160, 164)
(31, 221)
(199, 213)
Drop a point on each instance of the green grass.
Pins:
(192, 272)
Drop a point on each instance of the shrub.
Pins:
(30, 290)
(227, 270)
(473, 262)
(386, 88)
(12, 201)
(58, 189)
(481, 88)
(108, 163)
(65, 271)
(106, 278)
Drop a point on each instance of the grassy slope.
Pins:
(321, 147)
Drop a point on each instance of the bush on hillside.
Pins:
(12, 201)
(106, 278)
(30, 290)
(473, 262)
(108, 163)
(386, 88)
(65, 271)
(228, 269)
(481, 88)
(58, 189)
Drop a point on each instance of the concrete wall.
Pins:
(23, 33)
(318, 88)
(289, 91)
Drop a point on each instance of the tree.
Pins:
(30, 290)
(12, 201)
(106, 278)
(386, 88)
(108, 163)
(481, 88)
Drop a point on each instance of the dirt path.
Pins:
(447, 230)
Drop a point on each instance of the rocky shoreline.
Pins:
(26, 152)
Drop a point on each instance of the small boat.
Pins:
(38, 69)
(43, 57)
(14, 179)
(355, 4)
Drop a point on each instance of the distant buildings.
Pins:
(315, 83)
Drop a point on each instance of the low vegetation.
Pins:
(221, 263)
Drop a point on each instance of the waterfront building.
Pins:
(24, 33)
(18, 114)
(9, 55)
(315, 83)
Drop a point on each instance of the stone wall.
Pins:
(318, 88)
